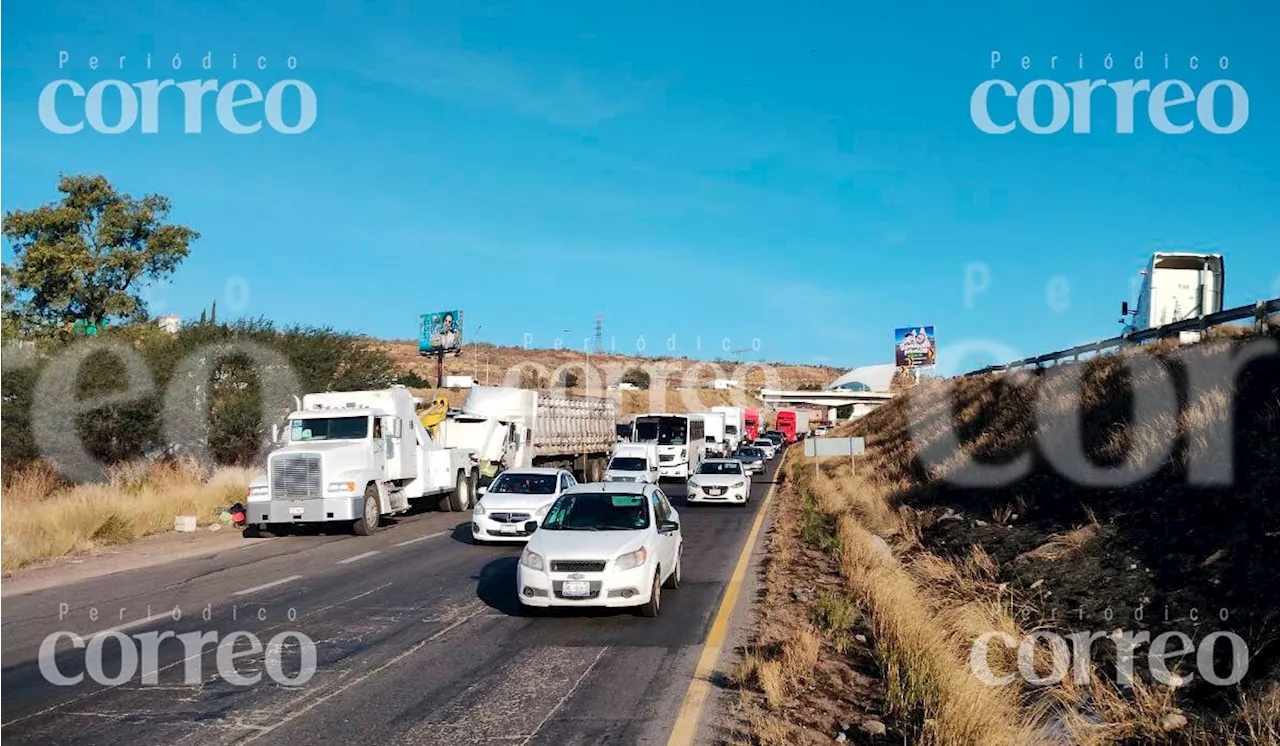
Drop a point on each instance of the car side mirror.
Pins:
(482, 491)
(667, 527)
(530, 526)
(1124, 308)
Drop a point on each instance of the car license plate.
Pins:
(296, 511)
(508, 528)
(575, 588)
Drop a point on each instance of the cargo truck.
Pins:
(785, 423)
(751, 423)
(713, 424)
(513, 427)
(734, 425)
(355, 456)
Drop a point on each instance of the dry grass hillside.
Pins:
(1101, 524)
(675, 383)
(494, 363)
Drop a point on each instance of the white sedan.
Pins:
(720, 480)
(605, 544)
(515, 498)
(768, 446)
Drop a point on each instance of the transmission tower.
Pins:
(599, 334)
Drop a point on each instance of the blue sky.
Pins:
(808, 176)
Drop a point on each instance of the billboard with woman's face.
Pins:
(440, 332)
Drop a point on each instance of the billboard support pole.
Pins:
(440, 369)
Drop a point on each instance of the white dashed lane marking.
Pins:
(265, 586)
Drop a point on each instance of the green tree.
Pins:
(568, 379)
(637, 377)
(89, 256)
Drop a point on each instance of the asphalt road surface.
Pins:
(418, 639)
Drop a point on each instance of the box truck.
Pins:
(734, 425)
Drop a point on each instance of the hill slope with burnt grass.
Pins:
(675, 382)
(1080, 500)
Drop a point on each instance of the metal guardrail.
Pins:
(1259, 312)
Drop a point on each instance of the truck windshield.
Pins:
(598, 512)
(666, 431)
(627, 463)
(524, 484)
(329, 428)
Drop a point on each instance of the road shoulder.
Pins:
(146, 552)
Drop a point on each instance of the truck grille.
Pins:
(295, 476)
(666, 457)
(577, 565)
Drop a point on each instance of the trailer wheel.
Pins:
(369, 518)
(460, 498)
(474, 485)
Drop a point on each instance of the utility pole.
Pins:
(599, 334)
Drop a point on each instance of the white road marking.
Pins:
(265, 586)
(358, 557)
(316, 702)
(420, 538)
(162, 669)
(128, 625)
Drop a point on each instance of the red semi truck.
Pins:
(785, 423)
(751, 424)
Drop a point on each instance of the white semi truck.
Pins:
(714, 427)
(734, 424)
(355, 456)
(1177, 286)
(513, 427)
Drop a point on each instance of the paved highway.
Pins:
(418, 637)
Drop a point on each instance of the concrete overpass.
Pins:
(862, 401)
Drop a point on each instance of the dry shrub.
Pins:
(138, 502)
(36, 481)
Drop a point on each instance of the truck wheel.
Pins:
(369, 518)
(473, 485)
(460, 498)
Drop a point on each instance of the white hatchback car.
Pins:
(720, 480)
(605, 544)
(515, 498)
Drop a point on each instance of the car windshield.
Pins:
(720, 467)
(626, 463)
(524, 484)
(764, 443)
(328, 428)
(598, 511)
(751, 452)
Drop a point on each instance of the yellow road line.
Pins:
(695, 699)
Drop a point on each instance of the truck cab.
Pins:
(356, 456)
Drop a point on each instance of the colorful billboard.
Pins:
(915, 347)
(439, 332)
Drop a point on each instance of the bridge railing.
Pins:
(1259, 312)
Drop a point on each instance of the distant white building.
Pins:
(170, 323)
(459, 382)
(866, 378)
(724, 383)
(624, 386)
